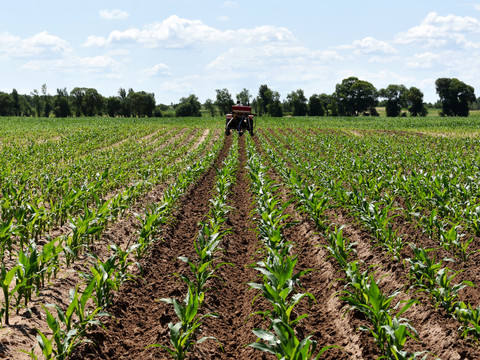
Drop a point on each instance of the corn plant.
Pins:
(103, 275)
(202, 272)
(6, 278)
(423, 268)
(340, 248)
(62, 342)
(284, 344)
(470, 317)
(183, 334)
(445, 292)
(389, 331)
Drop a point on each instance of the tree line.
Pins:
(352, 97)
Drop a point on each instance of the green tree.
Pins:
(244, 97)
(113, 106)
(298, 102)
(224, 101)
(266, 96)
(93, 102)
(6, 104)
(189, 106)
(141, 103)
(354, 96)
(414, 100)
(275, 107)
(210, 106)
(77, 96)
(315, 106)
(61, 105)
(455, 96)
(15, 103)
(395, 96)
(47, 104)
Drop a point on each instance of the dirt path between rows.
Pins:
(138, 318)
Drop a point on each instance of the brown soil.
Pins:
(138, 319)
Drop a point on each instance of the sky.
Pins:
(174, 48)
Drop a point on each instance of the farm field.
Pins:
(358, 234)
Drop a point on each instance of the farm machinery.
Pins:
(240, 119)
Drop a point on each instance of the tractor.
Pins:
(240, 119)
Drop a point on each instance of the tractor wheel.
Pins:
(227, 131)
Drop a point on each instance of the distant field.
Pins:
(372, 206)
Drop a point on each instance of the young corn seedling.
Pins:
(470, 317)
(284, 344)
(279, 287)
(389, 331)
(6, 278)
(183, 333)
(445, 293)
(103, 275)
(423, 269)
(340, 248)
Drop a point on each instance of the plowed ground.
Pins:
(138, 319)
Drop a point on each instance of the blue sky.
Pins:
(175, 48)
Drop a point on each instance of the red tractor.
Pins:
(240, 119)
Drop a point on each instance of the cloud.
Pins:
(181, 85)
(42, 44)
(441, 31)
(75, 64)
(176, 32)
(274, 63)
(369, 45)
(156, 70)
(230, 4)
(422, 61)
(113, 14)
(223, 18)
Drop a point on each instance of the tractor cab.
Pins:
(241, 119)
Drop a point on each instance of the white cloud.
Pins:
(157, 69)
(183, 85)
(176, 32)
(369, 45)
(75, 64)
(438, 31)
(476, 7)
(223, 18)
(113, 14)
(422, 61)
(39, 45)
(230, 4)
(274, 63)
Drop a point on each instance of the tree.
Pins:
(61, 105)
(6, 104)
(141, 103)
(244, 97)
(414, 101)
(455, 96)
(395, 95)
(266, 96)
(37, 102)
(47, 105)
(93, 102)
(210, 106)
(315, 107)
(298, 102)
(113, 105)
(275, 107)
(224, 101)
(15, 103)
(354, 96)
(189, 106)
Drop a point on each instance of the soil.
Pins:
(139, 319)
